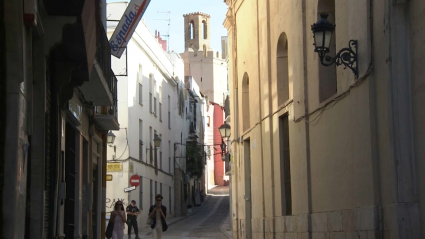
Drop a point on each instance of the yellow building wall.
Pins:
(340, 152)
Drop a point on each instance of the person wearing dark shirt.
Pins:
(132, 213)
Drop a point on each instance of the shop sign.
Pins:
(128, 23)
(114, 167)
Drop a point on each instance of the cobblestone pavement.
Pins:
(206, 222)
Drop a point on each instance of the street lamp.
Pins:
(156, 143)
(322, 34)
(111, 137)
(225, 133)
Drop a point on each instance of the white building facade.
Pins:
(150, 94)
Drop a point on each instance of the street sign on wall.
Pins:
(125, 28)
(134, 180)
(114, 167)
(129, 189)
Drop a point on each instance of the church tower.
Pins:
(197, 32)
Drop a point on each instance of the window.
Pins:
(141, 193)
(156, 190)
(150, 92)
(150, 102)
(140, 79)
(160, 160)
(245, 102)
(160, 154)
(285, 166)
(154, 106)
(282, 70)
(169, 115)
(160, 111)
(150, 135)
(160, 103)
(155, 152)
(140, 94)
(169, 156)
(151, 192)
(169, 196)
(208, 121)
(150, 146)
(192, 30)
(141, 140)
(204, 29)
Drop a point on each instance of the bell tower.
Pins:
(197, 31)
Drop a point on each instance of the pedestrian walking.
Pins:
(158, 213)
(132, 213)
(118, 217)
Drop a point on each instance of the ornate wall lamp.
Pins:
(225, 133)
(156, 142)
(322, 34)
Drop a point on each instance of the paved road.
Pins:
(205, 223)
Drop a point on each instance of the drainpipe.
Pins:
(306, 120)
(103, 213)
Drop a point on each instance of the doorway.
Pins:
(248, 201)
(70, 177)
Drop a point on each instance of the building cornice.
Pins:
(229, 21)
(197, 13)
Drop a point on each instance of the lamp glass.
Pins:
(318, 40)
(111, 138)
(156, 140)
(225, 130)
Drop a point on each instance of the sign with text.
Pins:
(129, 189)
(125, 28)
(114, 167)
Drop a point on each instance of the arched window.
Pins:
(192, 30)
(282, 70)
(327, 74)
(245, 102)
(204, 29)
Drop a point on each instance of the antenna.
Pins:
(169, 24)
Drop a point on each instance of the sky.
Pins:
(215, 8)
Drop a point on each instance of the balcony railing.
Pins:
(103, 55)
(107, 116)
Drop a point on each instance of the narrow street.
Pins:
(204, 223)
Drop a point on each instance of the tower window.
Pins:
(204, 29)
(192, 30)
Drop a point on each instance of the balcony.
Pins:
(107, 116)
(99, 89)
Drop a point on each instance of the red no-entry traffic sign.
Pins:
(135, 180)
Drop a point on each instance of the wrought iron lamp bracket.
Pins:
(346, 56)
